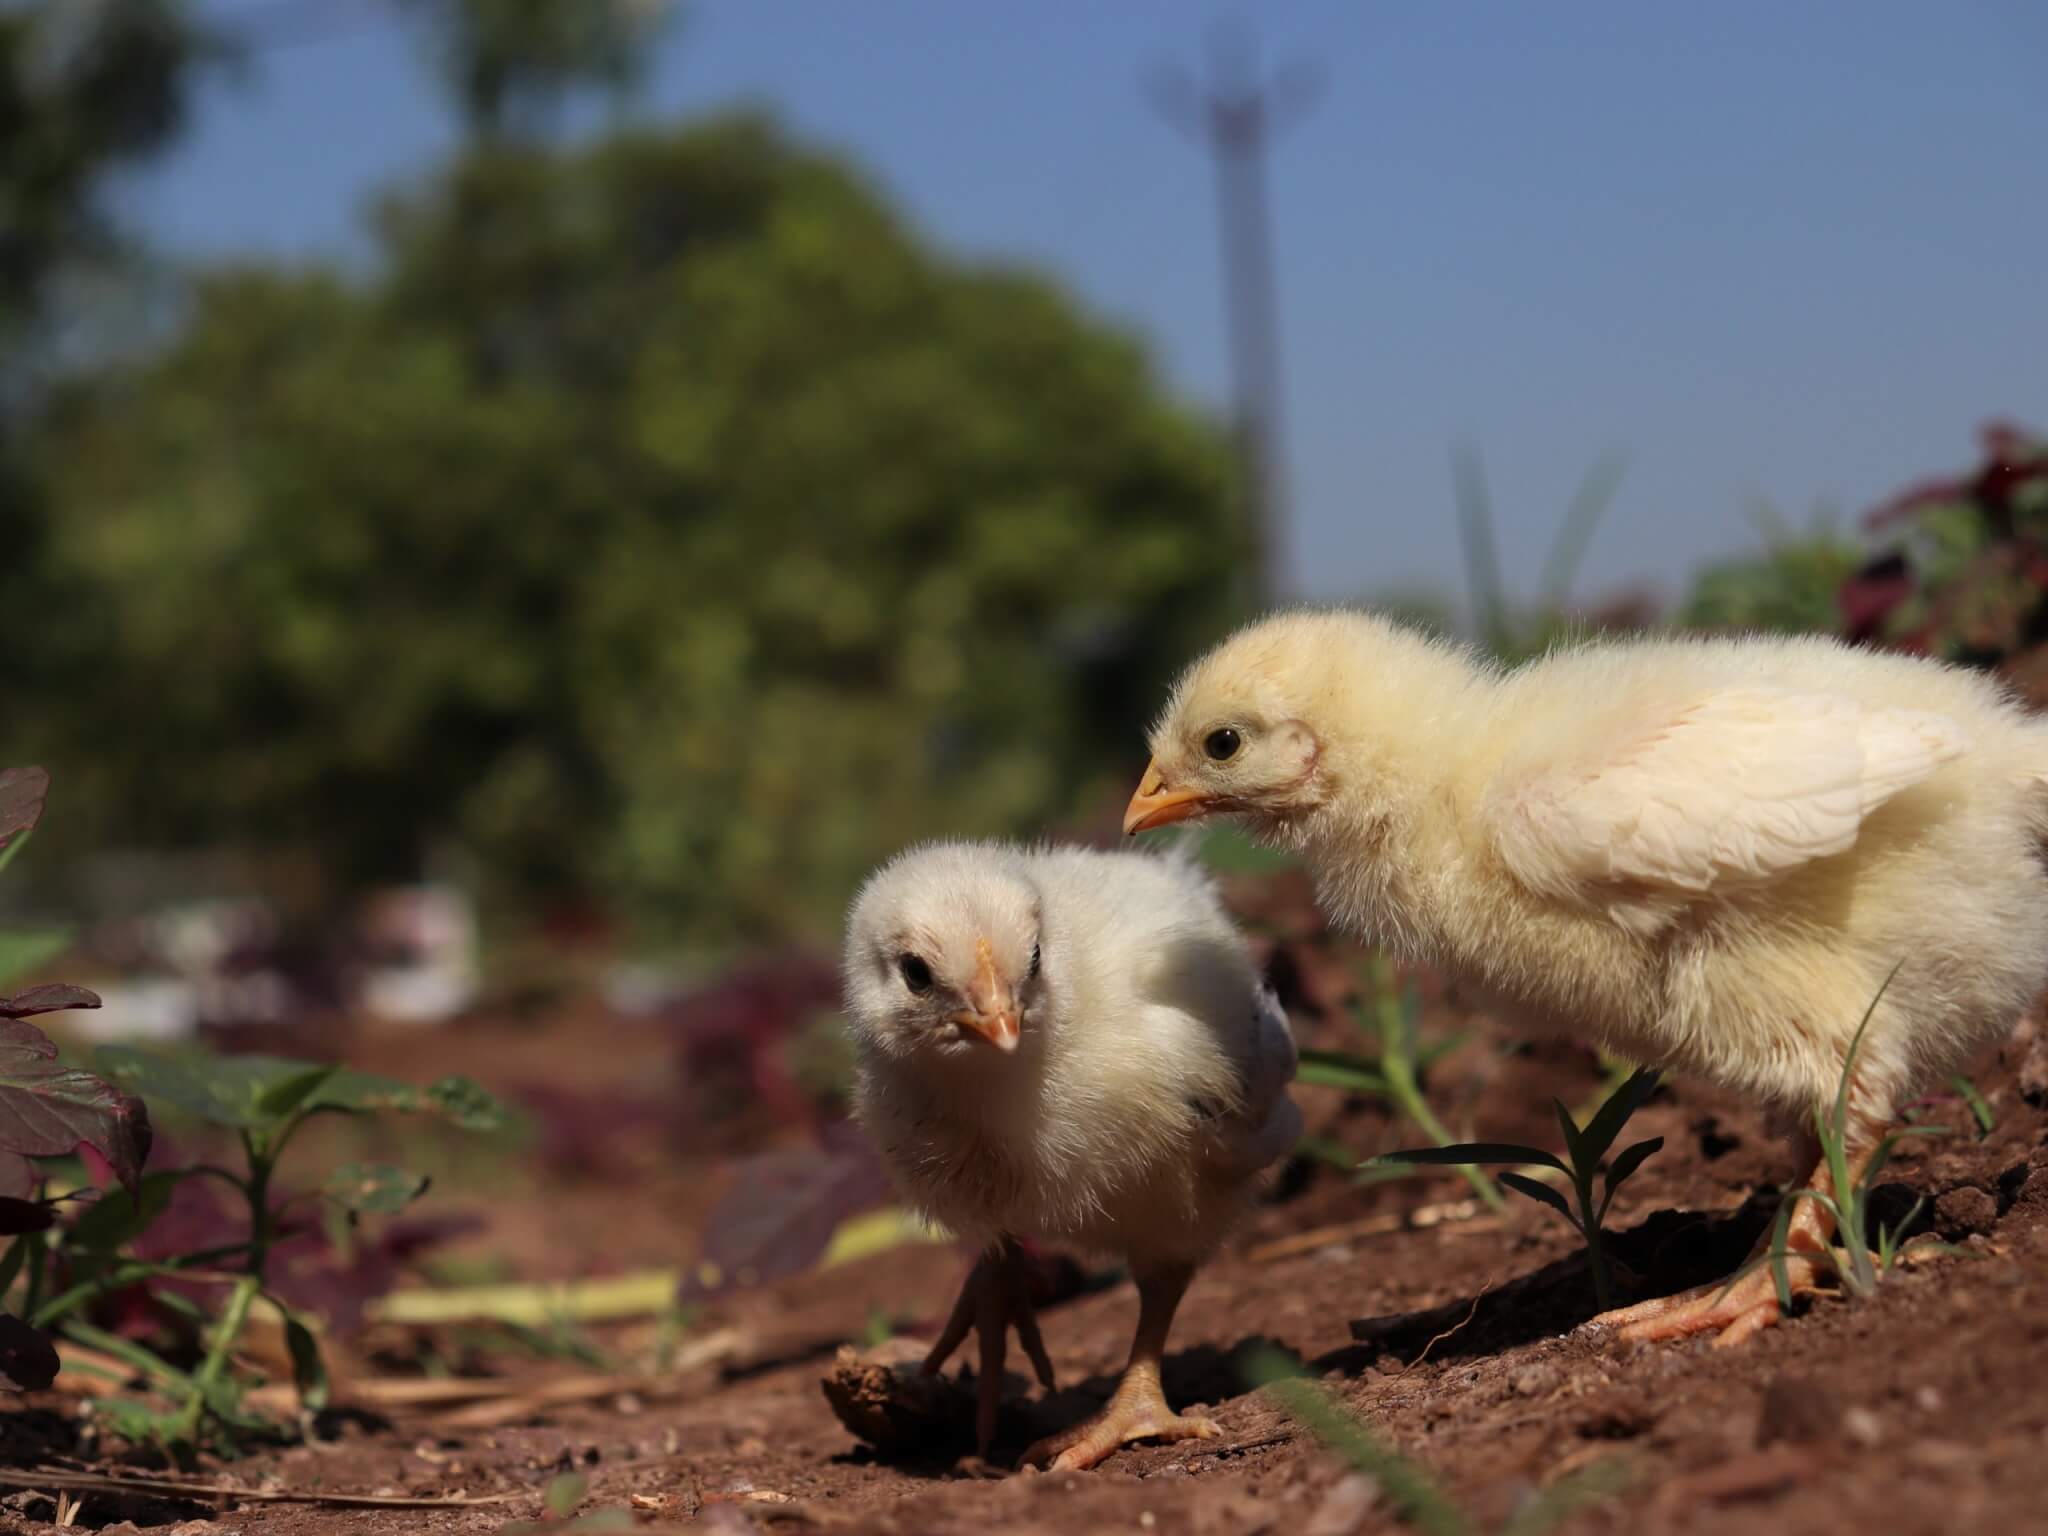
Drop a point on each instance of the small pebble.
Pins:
(1927, 1400)
(1863, 1426)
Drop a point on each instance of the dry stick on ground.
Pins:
(1454, 1328)
(97, 1482)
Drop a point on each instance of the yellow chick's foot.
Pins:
(1138, 1411)
(995, 1297)
(1736, 1311)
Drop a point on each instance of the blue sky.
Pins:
(1785, 249)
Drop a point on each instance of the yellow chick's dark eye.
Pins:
(916, 974)
(1221, 745)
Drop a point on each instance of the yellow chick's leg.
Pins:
(1751, 1305)
(1137, 1410)
(995, 1296)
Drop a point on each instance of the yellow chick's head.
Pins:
(942, 953)
(1290, 713)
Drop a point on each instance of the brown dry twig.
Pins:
(1471, 1313)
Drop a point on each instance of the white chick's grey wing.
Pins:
(1739, 788)
(1240, 1143)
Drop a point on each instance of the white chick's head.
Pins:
(1285, 715)
(942, 953)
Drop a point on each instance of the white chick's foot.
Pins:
(1736, 1312)
(995, 1297)
(1138, 1411)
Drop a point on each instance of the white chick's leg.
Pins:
(1751, 1305)
(1137, 1410)
(995, 1296)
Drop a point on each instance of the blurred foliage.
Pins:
(660, 523)
(1793, 587)
(84, 90)
(1963, 571)
(511, 64)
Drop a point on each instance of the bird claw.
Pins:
(1131, 1415)
(995, 1297)
(1734, 1312)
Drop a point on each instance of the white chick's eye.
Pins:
(916, 974)
(1032, 974)
(1221, 745)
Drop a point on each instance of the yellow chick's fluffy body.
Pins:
(1702, 853)
(1075, 1045)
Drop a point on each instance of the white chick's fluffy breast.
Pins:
(1148, 1091)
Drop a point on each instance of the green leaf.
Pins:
(1341, 1069)
(1620, 1107)
(117, 1218)
(309, 1371)
(377, 1188)
(1574, 1139)
(466, 1104)
(1523, 1185)
(1473, 1152)
(1628, 1162)
(284, 1095)
(1981, 1110)
(564, 1493)
(221, 1090)
(258, 1093)
(455, 1099)
(1408, 1487)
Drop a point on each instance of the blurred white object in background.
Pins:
(422, 954)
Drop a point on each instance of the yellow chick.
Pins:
(1702, 854)
(1069, 1044)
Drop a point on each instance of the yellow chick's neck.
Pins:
(1410, 736)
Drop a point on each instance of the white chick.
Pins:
(1073, 1045)
(1706, 854)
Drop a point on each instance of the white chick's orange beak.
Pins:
(991, 1010)
(1154, 805)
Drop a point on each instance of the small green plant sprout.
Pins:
(265, 1101)
(1856, 1265)
(1396, 1073)
(1587, 1150)
(1415, 1496)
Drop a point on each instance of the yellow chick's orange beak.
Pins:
(991, 1010)
(1154, 805)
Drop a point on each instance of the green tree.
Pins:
(510, 65)
(662, 523)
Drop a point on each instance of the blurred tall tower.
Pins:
(1236, 115)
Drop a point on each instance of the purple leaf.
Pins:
(22, 793)
(54, 998)
(28, 1363)
(47, 1109)
(782, 1209)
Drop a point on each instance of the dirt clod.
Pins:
(1965, 1210)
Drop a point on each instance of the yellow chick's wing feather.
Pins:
(1740, 787)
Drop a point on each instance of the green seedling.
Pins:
(1852, 1259)
(1587, 1150)
(265, 1101)
(1395, 1074)
(1417, 1500)
(1979, 1110)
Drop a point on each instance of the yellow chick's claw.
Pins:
(1702, 854)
